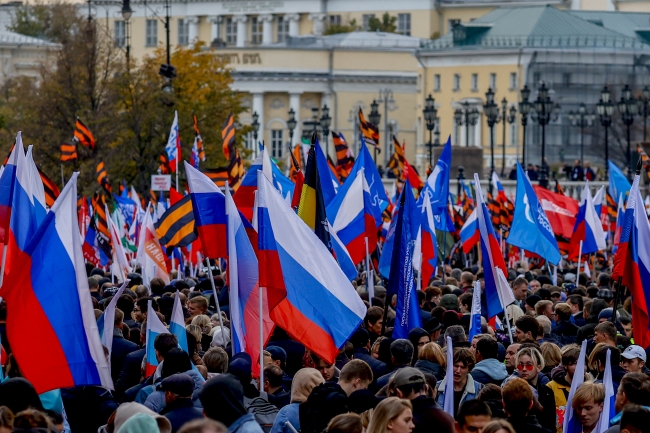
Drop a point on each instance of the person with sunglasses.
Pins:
(529, 365)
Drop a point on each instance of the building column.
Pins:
(215, 21)
(294, 24)
(267, 28)
(192, 29)
(319, 23)
(242, 34)
(258, 106)
(294, 102)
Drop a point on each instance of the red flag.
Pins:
(174, 196)
(560, 210)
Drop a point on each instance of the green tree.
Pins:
(333, 29)
(386, 24)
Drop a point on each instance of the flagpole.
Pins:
(4, 261)
(216, 299)
(261, 384)
(178, 188)
(579, 257)
(62, 178)
(368, 272)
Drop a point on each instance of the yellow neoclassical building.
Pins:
(284, 56)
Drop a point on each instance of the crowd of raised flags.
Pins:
(291, 246)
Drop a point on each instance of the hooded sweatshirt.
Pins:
(223, 399)
(126, 411)
(414, 336)
(304, 382)
(489, 371)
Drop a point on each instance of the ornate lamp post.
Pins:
(466, 116)
(126, 15)
(605, 109)
(430, 115)
(508, 119)
(325, 122)
(581, 119)
(492, 113)
(628, 108)
(524, 108)
(374, 117)
(256, 127)
(545, 112)
(291, 124)
(644, 108)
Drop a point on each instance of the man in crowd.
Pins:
(605, 332)
(517, 402)
(473, 416)
(179, 408)
(401, 354)
(633, 390)
(488, 369)
(520, 291)
(633, 359)
(121, 346)
(361, 342)
(196, 306)
(354, 376)
(526, 329)
(511, 353)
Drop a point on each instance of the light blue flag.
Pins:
(618, 183)
(438, 181)
(127, 208)
(401, 281)
(282, 183)
(531, 229)
(328, 182)
(475, 317)
(379, 198)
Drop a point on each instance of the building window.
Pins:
(537, 77)
(249, 143)
(183, 32)
(152, 33)
(513, 134)
(335, 20)
(474, 82)
(277, 143)
(283, 29)
(256, 31)
(457, 134)
(231, 32)
(453, 23)
(436, 83)
(366, 21)
(513, 80)
(456, 82)
(566, 79)
(472, 135)
(493, 81)
(119, 33)
(404, 24)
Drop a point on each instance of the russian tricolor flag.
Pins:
(245, 195)
(469, 234)
(321, 308)
(177, 323)
(587, 228)
(48, 298)
(209, 205)
(7, 180)
(249, 304)
(496, 182)
(154, 328)
(173, 146)
(350, 214)
(425, 257)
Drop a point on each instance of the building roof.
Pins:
(534, 27)
(632, 24)
(366, 40)
(11, 38)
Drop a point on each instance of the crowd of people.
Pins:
(517, 383)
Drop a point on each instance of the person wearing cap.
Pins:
(531, 301)
(179, 407)
(360, 339)
(278, 356)
(633, 359)
(433, 326)
(410, 384)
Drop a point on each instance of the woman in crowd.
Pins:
(393, 415)
(432, 360)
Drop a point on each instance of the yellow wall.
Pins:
(463, 14)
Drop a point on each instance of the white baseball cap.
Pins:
(634, 351)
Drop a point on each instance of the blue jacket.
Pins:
(156, 399)
(287, 413)
(489, 371)
(470, 392)
(378, 368)
(245, 424)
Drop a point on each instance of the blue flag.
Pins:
(438, 187)
(618, 183)
(282, 183)
(531, 229)
(379, 199)
(401, 281)
(328, 183)
(127, 208)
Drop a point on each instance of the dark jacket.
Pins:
(427, 413)
(587, 331)
(280, 398)
(87, 407)
(131, 371)
(121, 348)
(489, 371)
(180, 411)
(432, 368)
(527, 424)
(383, 380)
(578, 319)
(546, 398)
(617, 375)
(565, 328)
(378, 368)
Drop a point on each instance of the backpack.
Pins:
(263, 411)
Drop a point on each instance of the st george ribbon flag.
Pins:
(531, 229)
(401, 282)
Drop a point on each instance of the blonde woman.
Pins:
(552, 356)
(392, 415)
(432, 360)
(498, 426)
(204, 322)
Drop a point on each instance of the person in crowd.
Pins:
(634, 390)
(599, 357)
(526, 329)
(517, 403)
(562, 377)
(635, 419)
(392, 415)
(432, 360)
(473, 416)
(605, 332)
(587, 331)
(458, 336)
(196, 306)
(179, 408)
(222, 398)
(373, 322)
(304, 381)
(545, 308)
(587, 403)
(552, 356)
(488, 369)
(418, 338)
(498, 426)
(204, 425)
(564, 331)
(511, 354)
(329, 371)
(401, 353)
(590, 174)
(355, 375)
(577, 172)
(121, 346)
(465, 387)
(520, 291)
(345, 423)
(360, 339)
(410, 384)
(215, 361)
(633, 359)
(277, 395)
(626, 324)
(576, 303)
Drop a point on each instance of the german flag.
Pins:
(163, 161)
(228, 136)
(217, 175)
(235, 171)
(68, 151)
(51, 190)
(83, 135)
(369, 131)
(175, 228)
(199, 139)
(396, 162)
(344, 158)
(312, 206)
(102, 177)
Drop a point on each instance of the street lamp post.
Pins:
(256, 127)
(581, 119)
(524, 109)
(460, 178)
(605, 109)
(628, 108)
(126, 14)
(508, 118)
(644, 109)
(386, 97)
(467, 117)
(545, 112)
(374, 117)
(430, 115)
(492, 113)
(291, 124)
(325, 122)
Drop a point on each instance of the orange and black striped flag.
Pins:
(644, 159)
(102, 177)
(163, 165)
(235, 171)
(217, 175)
(396, 162)
(99, 214)
(558, 188)
(495, 210)
(369, 131)
(68, 151)
(51, 189)
(175, 228)
(612, 212)
(83, 135)
(228, 136)
(199, 140)
(344, 157)
(296, 163)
